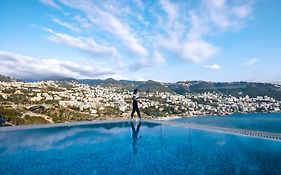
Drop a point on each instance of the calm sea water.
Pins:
(133, 148)
(268, 122)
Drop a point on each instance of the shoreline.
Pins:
(171, 117)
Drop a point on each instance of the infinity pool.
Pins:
(134, 148)
(266, 122)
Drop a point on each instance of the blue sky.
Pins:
(164, 40)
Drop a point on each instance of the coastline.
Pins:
(171, 117)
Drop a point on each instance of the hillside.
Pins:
(7, 79)
(230, 88)
(110, 81)
(154, 86)
(236, 89)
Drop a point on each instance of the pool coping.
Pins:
(235, 131)
(53, 125)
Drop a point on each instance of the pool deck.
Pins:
(243, 132)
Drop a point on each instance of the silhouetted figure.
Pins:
(135, 137)
(2, 119)
(136, 97)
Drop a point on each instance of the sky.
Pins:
(162, 40)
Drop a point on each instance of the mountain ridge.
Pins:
(4, 78)
(237, 89)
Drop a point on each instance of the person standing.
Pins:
(135, 98)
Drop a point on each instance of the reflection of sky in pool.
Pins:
(258, 121)
(115, 149)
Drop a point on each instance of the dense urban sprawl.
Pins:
(50, 101)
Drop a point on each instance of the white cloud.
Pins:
(157, 59)
(171, 11)
(222, 15)
(111, 24)
(135, 32)
(67, 25)
(83, 22)
(198, 50)
(241, 12)
(50, 3)
(198, 27)
(193, 50)
(84, 44)
(21, 66)
(187, 40)
(186, 43)
(213, 67)
(251, 62)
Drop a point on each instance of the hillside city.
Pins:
(54, 102)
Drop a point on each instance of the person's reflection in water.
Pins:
(135, 137)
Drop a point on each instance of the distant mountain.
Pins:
(90, 81)
(230, 88)
(154, 86)
(141, 85)
(110, 81)
(59, 79)
(64, 79)
(236, 89)
(132, 83)
(277, 82)
(7, 79)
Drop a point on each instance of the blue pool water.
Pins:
(270, 122)
(122, 148)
